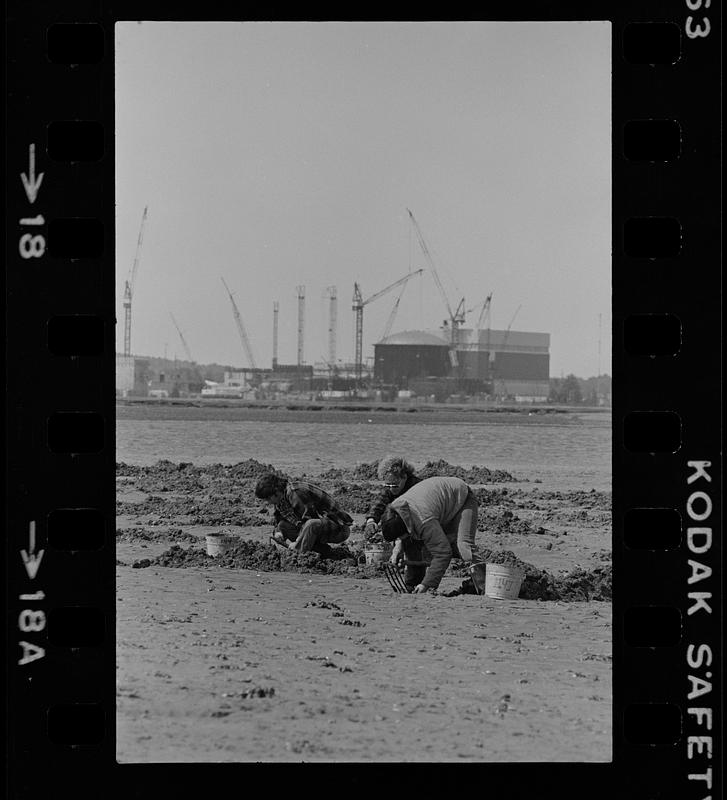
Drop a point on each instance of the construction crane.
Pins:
(240, 327)
(456, 318)
(358, 307)
(184, 341)
(392, 314)
(129, 287)
(484, 312)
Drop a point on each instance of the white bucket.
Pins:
(503, 582)
(219, 543)
(376, 555)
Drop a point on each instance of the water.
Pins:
(563, 453)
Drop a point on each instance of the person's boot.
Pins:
(323, 550)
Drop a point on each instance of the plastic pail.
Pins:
(503, 582)
(375, 555)
(219, 543)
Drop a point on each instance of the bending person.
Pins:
(441, 515)
(398, 476)
(307, 518)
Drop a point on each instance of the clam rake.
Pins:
(396, 581)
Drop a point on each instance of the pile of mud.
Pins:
(206, 511)
(578, 585)
(265, 557)
(441, 468)
(354, 498)
(166, 535)
(593, 499)
(475, 475)
(361, 472)
(538, 584)
(166, 476)
(494, 497)
(507, 524)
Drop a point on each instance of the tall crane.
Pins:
(184, 341)
(240, 327)
(129, 287)
(456, 318)
(358, 307)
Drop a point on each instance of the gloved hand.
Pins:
(370, 528)
(420, 589)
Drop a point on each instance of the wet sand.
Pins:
(226, 664)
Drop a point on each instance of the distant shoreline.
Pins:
(315, 411)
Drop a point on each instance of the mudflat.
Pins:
(254, 657)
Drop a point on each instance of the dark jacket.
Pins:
(386, 495)
(304, 501)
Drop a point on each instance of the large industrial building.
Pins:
(513, 364)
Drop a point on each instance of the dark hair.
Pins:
(392, 525)
(269, 484)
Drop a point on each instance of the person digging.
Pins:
(439, 514)
(306, 517)
(398, 476)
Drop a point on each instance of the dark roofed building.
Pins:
(410, 354)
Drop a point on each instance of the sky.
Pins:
(277, 155)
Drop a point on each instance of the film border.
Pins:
(61, 443)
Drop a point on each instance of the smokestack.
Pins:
(275, 334)
(301, 322)
(332, 317)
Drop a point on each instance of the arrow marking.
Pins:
(31, 184)
(30, 560)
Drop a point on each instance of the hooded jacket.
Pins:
(426, 509)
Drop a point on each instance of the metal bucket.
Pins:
(375, 555)
(503, 582)
(219, 543)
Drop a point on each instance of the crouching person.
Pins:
(397, 476)
(306, 517)
(441, 515)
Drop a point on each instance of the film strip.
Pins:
(667, 548)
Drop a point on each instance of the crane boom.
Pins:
(483, 312)
(240, 327)
(184, 341)
(430, 261)
(392, 286)
(456, 318)
(129, 286)
(507, 332)
(392, 314)
(139, 241)
(358, 304)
